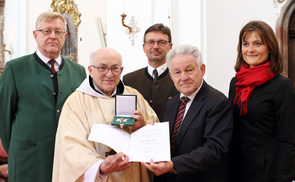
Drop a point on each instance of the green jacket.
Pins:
(29, 113)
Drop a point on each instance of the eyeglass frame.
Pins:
(107, 69)
(152, 43)
(56, 32)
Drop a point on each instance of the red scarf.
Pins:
(248, 79)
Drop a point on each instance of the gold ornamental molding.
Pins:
(69, 7)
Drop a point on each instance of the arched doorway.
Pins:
(286, 35)
(68, 9)
(69, 49)
(285, 30)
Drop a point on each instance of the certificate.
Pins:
(146, 143)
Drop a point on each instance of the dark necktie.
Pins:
(155, 72)
(178, 121)
(52, 62)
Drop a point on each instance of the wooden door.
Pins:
(291, 48)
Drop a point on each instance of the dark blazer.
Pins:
(202, 144)
(263, 140)
(29, 111)
(155, 92)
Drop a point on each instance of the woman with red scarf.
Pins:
(264, 109)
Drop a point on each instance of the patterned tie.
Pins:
(52, 62)
(178, 121)
(155, 72)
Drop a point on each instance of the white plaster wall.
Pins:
(88, 32)
(183, 17)
(211, 25)
(224, 22)
(21, 15)
(145, 14)
(15, 28)
(33, 9)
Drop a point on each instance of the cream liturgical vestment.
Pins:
(74, 153)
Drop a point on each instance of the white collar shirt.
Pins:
(191, 97)
(46, 59)
(160, 69)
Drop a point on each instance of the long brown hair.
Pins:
(268, 38)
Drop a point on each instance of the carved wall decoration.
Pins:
(68, 9)
(132, 29)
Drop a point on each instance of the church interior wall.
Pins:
(213, 26)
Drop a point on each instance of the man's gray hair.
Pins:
(184, 50)
(49, 16)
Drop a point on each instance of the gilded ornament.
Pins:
(67, 6)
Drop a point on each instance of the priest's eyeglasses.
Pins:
(116, 70)
(58, 33)
(161, 43)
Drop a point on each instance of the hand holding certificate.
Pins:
(146, 143)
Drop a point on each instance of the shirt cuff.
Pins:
(93, 173)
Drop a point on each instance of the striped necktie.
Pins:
(179, 118)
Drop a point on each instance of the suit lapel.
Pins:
(192, 113)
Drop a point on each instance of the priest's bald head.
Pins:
(105, 69)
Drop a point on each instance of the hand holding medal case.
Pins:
(124, 106)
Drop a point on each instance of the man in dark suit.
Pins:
(201, 135)
(153, 81)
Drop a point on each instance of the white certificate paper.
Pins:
(146, 143)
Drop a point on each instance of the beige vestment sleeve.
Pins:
(74, 153)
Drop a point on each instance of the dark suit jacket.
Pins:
(202, 144)
(155, 92)
(263, 139)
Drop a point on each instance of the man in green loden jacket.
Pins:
(32, 94)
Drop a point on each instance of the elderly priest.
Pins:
(77, 158)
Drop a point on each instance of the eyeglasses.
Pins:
(161, 43)
(58, 33)
(116, 70)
